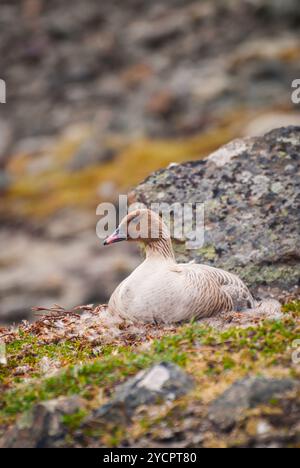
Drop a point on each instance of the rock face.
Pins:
(162, 382)
(251, 193)
(245, 394)
(43, 426)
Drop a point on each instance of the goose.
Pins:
(160, 290)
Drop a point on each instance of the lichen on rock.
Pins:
(251, 194)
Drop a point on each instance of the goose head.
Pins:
(140, 225)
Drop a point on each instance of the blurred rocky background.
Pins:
(99, 94)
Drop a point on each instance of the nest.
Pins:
(87, 324)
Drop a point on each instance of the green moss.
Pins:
(293, 306)
(228, 363)
(73, 421)
(207, 252)
(266, 274)
(27, 352)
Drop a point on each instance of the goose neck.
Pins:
(160, 248)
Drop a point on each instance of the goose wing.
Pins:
(232, 286)
(213, 290)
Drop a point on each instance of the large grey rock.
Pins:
(42, 426)
(245, 394)
(162, 382)
(251, 192)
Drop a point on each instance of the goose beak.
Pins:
(114, 238)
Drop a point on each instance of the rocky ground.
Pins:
(168, 67)
(69, 382)
(98, 97)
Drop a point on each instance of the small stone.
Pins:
(21, 370)
(42, 427)
(162, 382)
(245, 394)
(155, 379)
(263, 428)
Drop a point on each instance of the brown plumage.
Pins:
(160, 290)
